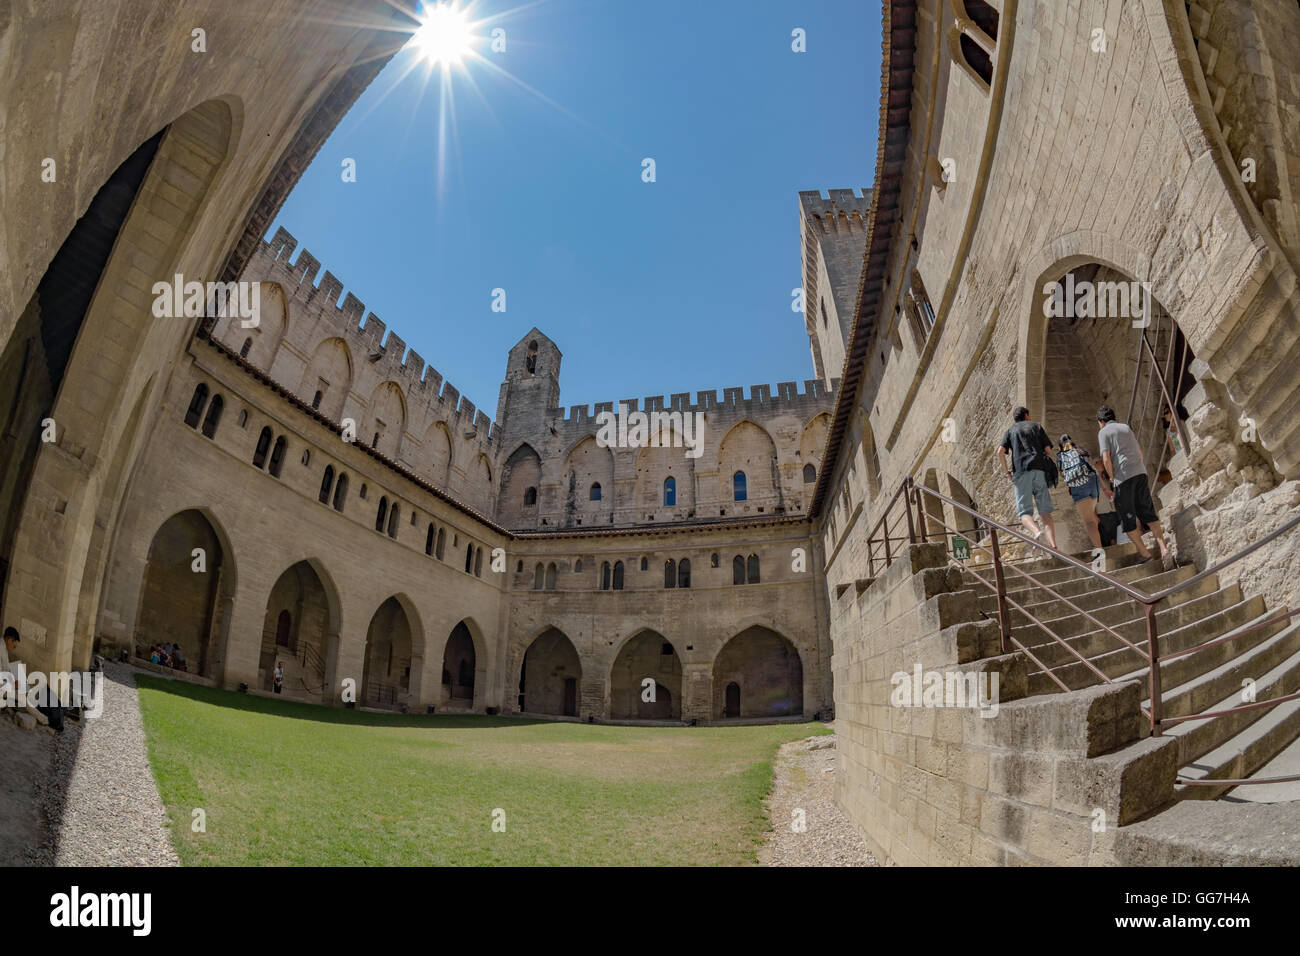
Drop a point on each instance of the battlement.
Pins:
(761, 401)
(366, 332)
(842, 208)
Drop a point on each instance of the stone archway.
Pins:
(550, 676)
(300, 625)
(80, 354)
(767, 673)
(460, 670)
(647, 656)
(392, 654)
(188, 584)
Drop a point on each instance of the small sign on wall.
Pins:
(960, 548)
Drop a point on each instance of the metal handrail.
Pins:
(1149, 601)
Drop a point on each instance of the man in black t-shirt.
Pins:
(1030, 451)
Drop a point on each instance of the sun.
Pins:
(445, 36)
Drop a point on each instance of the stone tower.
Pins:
(532, 386)
(834, 234)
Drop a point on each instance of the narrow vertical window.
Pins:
(478, 562)
(539, 577)
(670, 492)
(315, 399)
(670, 573)
(738, 486)
(809, 474)
(595, 491)
(550, 577)
(340, 492)
(442, 540)
(751, 575)
(530, 497)
(277, 457)
(327, 485)
(618, 575)
(244, 349)
(195, 411)
(737, 570)
(428, 540)
(263, 446)
(604, 576)
(382, 514)
(213, 418)
(684, 573)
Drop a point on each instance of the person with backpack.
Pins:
(1081, 478)
(1032, 470)
(1122, 457)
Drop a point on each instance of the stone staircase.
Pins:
(1225, 747)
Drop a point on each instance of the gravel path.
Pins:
(111, 812)
(805, 780)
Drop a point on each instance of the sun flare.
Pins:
(445, 36)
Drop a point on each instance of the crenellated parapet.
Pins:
(298, 346)
(761, 402)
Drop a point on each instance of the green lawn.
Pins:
(293, 784)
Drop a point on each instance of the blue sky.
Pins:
(647, 288)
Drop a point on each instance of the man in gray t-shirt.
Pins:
(1122, 458)
(1117, 442)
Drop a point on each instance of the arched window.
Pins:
(442, 540)
(684, 573)
(306, 457)
(315, 399)
(738, 486)
(340, 492)
(213, 418)
(809, 474)
(478, 562)
(382, 515)
(670, 573)
(604, 576)
(751, 574)
(713, 560)
(550, 577)
(277, 457)
(469, 557)
(195, 411)
(670, 491)
(327, 485)
(243, 349)
(577, 566)
(429, 538)
(645, 564)
(519, 568)
(737, 570)
(984, 15)
(530, 362)
(595, 491)
(539, 577)
(977, 59)
(263, 446)
(530, 497)
(618, 575)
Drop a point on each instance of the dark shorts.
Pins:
(1133, 502)
(1108, 528)
(1089, 489)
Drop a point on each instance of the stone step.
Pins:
(1200, 688)
(1245, 752)
(1198, 737)
(1044, 607)
(1145, 578)
(1180, 627)
(1129, 618)
(1119, 558)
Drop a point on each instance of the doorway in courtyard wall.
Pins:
(299, 619)
(459, 669)
(391, 652)
(1102, 339)
(646, 680)
(757, 673)
(187, 587)
(550, 675)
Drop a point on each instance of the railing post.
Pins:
(1004, 620)
(1153, 652)
(911, 526)
(920, 514)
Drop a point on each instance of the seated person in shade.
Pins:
(153, 654)
(178, 659)
(7, 648)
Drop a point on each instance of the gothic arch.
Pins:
(330, 373)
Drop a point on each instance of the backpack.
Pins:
(1074, 469)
